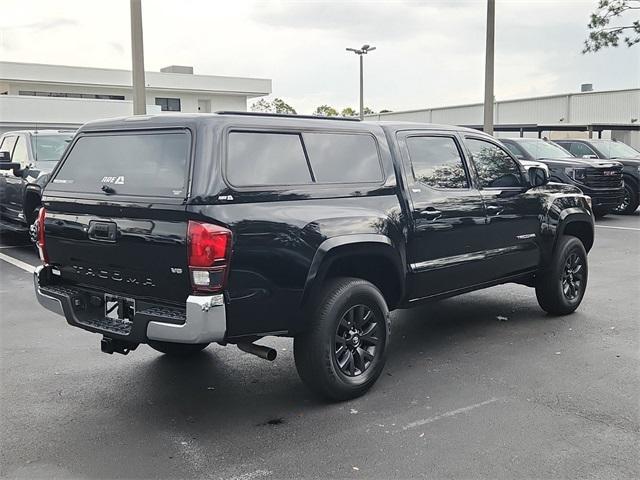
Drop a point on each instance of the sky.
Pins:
(429, 53)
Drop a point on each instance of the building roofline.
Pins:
(54, 74)
(479, 104)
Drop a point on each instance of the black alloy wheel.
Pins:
(572, 277)
(356, 343)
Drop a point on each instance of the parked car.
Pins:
(601, 180)
(26, 159)
(181, 230)
(620, 152)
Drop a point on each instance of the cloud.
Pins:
(44, 25)
(356, 19)
(429, 53)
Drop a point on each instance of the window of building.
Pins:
(496, 169)
(32, 93)
(436, 162)
(266, 159)
(343, 158)
(168, 104)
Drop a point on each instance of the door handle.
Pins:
(430, 213)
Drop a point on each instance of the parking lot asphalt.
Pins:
(464, 394)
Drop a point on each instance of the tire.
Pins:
(631, 200)
(561, 287)
(599, 213)
(343, 352)
(177, 349)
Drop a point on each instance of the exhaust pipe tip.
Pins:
(261, 351)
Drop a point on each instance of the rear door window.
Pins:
(257, 158)
(142, 164)
(343, 158)
(437, 162)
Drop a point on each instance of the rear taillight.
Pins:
(209, 248)
(42, 248)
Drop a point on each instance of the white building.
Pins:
(57, 96)
(612, 114)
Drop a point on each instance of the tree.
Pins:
(385, 111)
(348, 112)
(281, 106)
(602, 34)
(326, 111)
(368, 111)
(262, 106)
(276, 106)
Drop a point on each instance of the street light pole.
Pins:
(488, 67)
(137, 58)
(361, 88)
(360, 52)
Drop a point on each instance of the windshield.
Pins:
(153, 163)
(541, 149)
(49, 148)
(615, 149)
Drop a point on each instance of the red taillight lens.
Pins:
(209, 250)
(42, 248)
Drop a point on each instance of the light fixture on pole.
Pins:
(360, 52)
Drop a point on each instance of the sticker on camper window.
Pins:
(115, 180)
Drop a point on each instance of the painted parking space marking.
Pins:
(619, 228)
(17, 263)
(451, 413)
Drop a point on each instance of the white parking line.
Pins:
(17, 263)
(451, 413)
(619, 228)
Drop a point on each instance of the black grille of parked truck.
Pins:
(620, 152)
(600, 179)
(177, 231)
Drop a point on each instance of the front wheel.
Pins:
(177, 349)
(630, 201)
(561, 287)
(344, 351)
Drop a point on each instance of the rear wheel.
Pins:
(561, 288)
(177, 349)
(344, 351)
(630, 201)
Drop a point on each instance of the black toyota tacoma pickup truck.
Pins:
(181, 230)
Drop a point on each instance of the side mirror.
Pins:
(589, 156)
(9, 165)
(5, 157)
(538, 177)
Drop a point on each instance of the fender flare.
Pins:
(573, 215)
(331, 249)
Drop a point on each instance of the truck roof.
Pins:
(168, 120)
